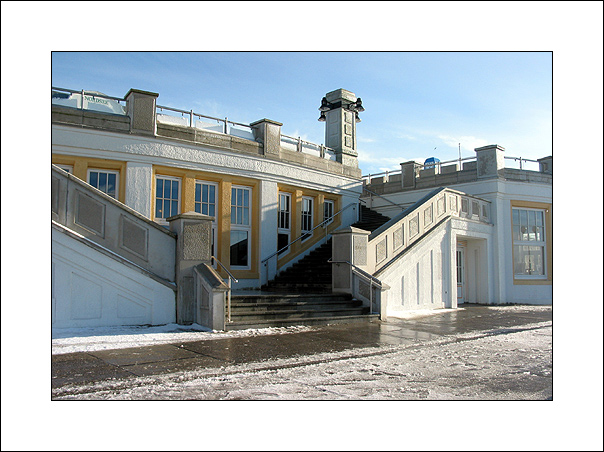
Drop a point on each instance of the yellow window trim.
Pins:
(547, 208)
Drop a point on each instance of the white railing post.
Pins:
(229, 301)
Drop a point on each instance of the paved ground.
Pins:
(86, 375)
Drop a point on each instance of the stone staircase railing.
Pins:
(357, 250)
(392, 238)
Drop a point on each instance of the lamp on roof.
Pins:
(353, 107)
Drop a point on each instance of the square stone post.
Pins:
(268, 132)
(340, 126)
(141, 109)
(193, 247)
(546, 165)
(409, 172)
(348, 245)
(489, 161)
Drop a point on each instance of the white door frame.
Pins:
(460, 272)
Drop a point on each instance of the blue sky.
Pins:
(414, 101)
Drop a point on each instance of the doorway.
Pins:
(461, 273)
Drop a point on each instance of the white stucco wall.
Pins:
(420, 279)
(139, 151)
(501, 287)
(91, 289)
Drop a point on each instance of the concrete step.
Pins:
(245, 324)
(291, 297)
(298, 314)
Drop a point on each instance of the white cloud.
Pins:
(468, 143)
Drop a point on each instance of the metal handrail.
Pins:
(191, 114)
(230, 277)
(300, 142)
(82, 91)
(380, 196)
(521, 160)
(372, 279)
(421, 165)
(328, 220)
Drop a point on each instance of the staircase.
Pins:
(274, 309)
(311, 274)
(370, 219)
(300, 295)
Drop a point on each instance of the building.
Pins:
(162, 215)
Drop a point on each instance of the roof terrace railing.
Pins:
(188, 118)
(92, 100)
(88, 100)
(517, 160)
(306, 147)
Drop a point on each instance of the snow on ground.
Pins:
(71, 340)
(513, 366)
(405, 315)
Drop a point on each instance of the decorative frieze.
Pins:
(381, 250)
(414, 226)
(90, 214)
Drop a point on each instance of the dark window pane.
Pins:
(282, 240)
(103, 182)
(94, 179)
(159, 188)
(239, 248)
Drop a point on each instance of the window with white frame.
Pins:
(284, 222)
(104, 180)
(240, 227)
(306, 217)
(328, 209)
(167, 197)
(205, 203)
(528, 236)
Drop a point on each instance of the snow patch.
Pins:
(420, 313)
(72, 340)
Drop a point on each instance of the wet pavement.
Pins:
(90, 367)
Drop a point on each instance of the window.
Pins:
(104, 180)
(167, 197)
(205, 203)
(240, 227)
(307, 220)
(528, 236)
(67, 168)
(284, 222)
(328, 208)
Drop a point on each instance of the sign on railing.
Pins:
(88, 100)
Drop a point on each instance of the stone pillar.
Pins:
(348, 244)
(340, 126)
(193, 247)
(545, 165)
(489, 161)
(268, 132)
(139, 180)
(409, 172)
(141, 109)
